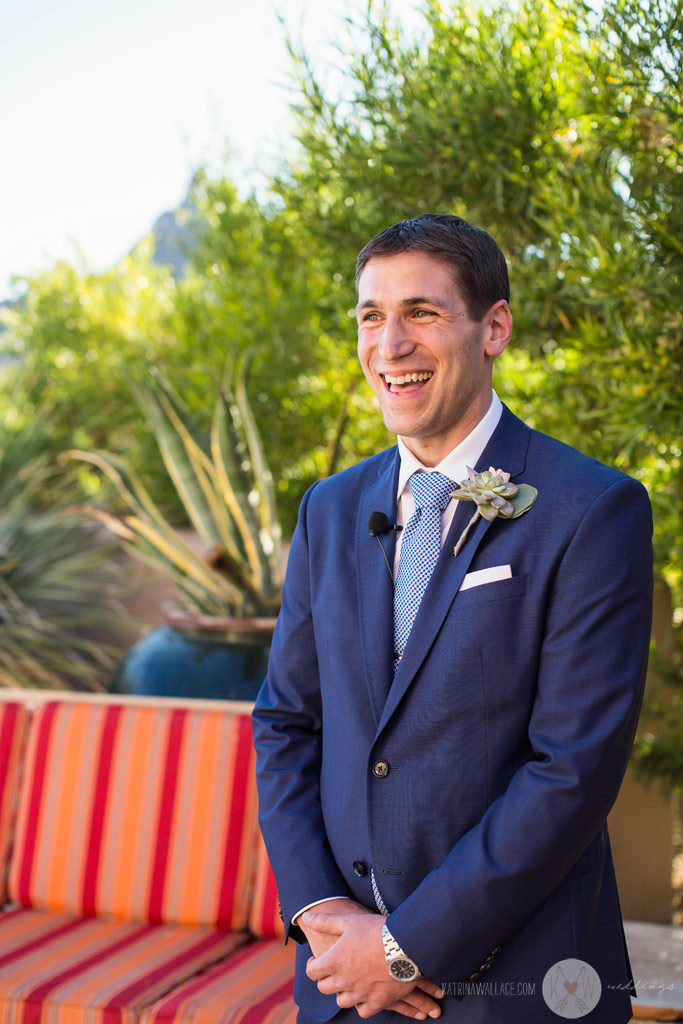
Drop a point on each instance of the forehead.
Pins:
(404, 276)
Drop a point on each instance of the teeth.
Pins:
(409, 378)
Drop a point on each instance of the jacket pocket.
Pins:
(514, 586)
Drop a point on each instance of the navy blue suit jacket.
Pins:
(507, 728)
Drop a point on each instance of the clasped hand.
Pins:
(348, 961)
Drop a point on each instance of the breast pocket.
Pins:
(514, 586)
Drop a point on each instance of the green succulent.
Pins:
(226, 489)
(490, 491)
(494, 496)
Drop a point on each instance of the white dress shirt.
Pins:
(454, 466)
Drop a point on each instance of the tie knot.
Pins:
(431, 490)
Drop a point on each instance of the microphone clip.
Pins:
(378, 523)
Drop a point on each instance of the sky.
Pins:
(107, 108)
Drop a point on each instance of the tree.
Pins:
(556, 129)
(258, 287)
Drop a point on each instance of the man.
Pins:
(441, 735)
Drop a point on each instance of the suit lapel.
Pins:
(375, 583)
(506, 450)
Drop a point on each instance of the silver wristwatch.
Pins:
(401, 967)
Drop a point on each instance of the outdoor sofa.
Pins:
(134, 884)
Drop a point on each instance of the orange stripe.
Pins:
(125, 872)
(197, 825)
(34, 999)
(65, 964)
(258, 979)
(68, 796)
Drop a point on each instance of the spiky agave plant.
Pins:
(55, 574)
(226, 489)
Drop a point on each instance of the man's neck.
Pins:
(478, 434)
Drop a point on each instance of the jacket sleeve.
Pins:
(590, 681)
(287, 723)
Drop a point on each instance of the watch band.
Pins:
(400, 966)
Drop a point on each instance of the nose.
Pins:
(395, 340)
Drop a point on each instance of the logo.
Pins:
(571, 988)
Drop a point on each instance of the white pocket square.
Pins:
(490, 575)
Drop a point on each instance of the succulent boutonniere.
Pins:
(494, 496)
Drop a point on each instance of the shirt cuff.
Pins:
(317, 903)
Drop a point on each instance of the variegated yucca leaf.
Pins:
(226, 489)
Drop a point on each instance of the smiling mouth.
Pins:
(402, 382)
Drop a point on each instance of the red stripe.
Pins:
(169, 1006)
(128, 996)
(166, 811)
(108, 734)
(10, 714)
(167, 1009)
(34, 802)
(237, 798)
(257, 1011)
(34, 999)
(31, 944)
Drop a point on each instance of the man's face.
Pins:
(427, 361)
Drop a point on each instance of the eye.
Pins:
(370, 315)
(421, 313)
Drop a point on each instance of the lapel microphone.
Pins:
(379, 523)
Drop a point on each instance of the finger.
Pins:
(421, 1001)
(328, 987)
(408, 1010)
(320, 943)
(345, 1000)
(314, 971)
(430, 988)
(332, 924)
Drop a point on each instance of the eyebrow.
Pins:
(419, 300)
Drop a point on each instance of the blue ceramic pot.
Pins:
(208, 663)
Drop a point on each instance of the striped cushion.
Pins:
(253, 987)
(138, 812)
(264, 917)
(57, 969)
(14, 720)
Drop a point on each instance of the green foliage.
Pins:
(257, 286)
(658, 751)
(226, 489)
(55, 574)
(81, 338)
(557, 129)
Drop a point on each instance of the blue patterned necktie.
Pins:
(420, 548)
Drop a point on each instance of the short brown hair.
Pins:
(476, 260)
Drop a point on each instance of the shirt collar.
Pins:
(465, 454)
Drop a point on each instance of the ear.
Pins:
(498, 321)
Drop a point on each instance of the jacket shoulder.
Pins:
(573, 478)
(348, 483)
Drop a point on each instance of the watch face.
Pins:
(403, 969)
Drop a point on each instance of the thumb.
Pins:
(329, 924)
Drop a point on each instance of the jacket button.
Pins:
(359, 868)
(380, 769)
